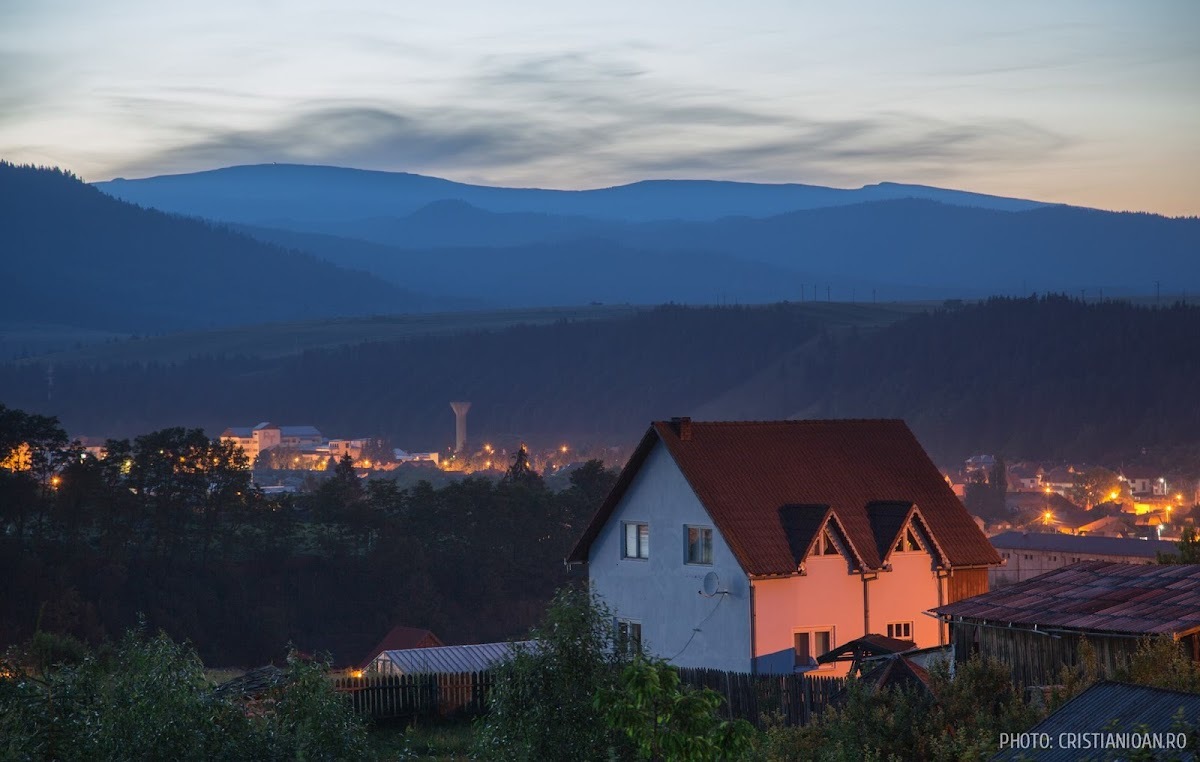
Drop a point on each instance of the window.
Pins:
(637, 540)
(699, 545)
(900, 630)
(907, 542)
(629, 636)
(809, 644)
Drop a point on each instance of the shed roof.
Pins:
(1095, 596)
(1070, 543)
(1133, 709)
(453, 659)
(745, 472)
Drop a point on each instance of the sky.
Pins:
(1077, 101)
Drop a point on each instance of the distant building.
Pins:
(403, 456)
(339, 448)
(1025, 476)
(266, 436)
(1028, 554)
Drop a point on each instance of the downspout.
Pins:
(753, 644)
(942, 575)
(867, 601)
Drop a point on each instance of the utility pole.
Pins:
(1157, 291)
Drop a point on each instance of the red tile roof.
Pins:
(402, 638)
(744, 473)
(1095, 596)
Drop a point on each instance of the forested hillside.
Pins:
(600, 380)
(74, 256)
(1036, 378)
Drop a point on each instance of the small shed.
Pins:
(1036, 626)
(446, 660)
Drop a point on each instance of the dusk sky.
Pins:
(1089, 103)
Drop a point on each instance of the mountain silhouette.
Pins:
(77, 257)
(271, 193)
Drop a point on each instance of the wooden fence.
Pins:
(391, 696)
(790, 699)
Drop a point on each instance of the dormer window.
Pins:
(829, 545)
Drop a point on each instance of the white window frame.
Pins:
(895, 627)
(626, 633)
(687, 544)
(811, 632)
(641, 550)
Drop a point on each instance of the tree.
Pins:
(148, 698)
(521, 472)
(985, 493)
(1189, 549)
(542, 704)
(667, 720)
(1098, 485)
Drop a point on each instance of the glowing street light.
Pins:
(1047, 516)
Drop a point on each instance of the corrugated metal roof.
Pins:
(403, 638)
(452, 659)
(743, 472)
(1109, 707)
(1095, 596)
(1069, 543)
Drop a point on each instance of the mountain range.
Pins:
(263, 243)
(682, 240)
(74, 256)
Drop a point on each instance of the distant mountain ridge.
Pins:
(77, 257)
(273, 193)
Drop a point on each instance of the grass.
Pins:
(447, 741)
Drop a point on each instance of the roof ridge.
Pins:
(789, 421)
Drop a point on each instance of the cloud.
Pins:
(587, 119)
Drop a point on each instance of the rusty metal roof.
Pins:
(744, 472)
(1095, 596)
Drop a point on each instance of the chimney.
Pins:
(683, 427)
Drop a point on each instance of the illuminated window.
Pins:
(699, 545)
(637, 540)
(809, 644)
(900, 630)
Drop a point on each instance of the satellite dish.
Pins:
(710, 585)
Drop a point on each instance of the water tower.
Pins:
(460, 424)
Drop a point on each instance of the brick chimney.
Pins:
(683, 427)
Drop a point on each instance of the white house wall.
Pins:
(663, 591)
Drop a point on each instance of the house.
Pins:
(401, 638)
(756, 546)
(1028, 554)
(1025, 476)
(1060, 480)
(1036, 626)
(1119, 713)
